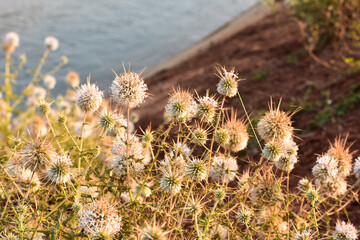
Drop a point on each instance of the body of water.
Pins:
(98, 35)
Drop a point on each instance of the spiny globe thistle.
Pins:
(275, 125)
(222, 136)
(196, 170)
(304, 184)
(51, 43)
(89, 97)
(147, 137)
(304, 235)
(119, 163)
(116, 126)
(357, 168)
(342, 154)
(61, 118)
(153, 232)
(107, 119)
(273, 150)
(345, 231)
(43, 107)
(326, 168)
(289, 157)
(199, 136)
(332, 187)
(128, 89)
(312, 194)
(220, 194)
(72, 79)
(24, 176)
(9, 236)
(244, 215)
(171, 182)
(238, 134)
(206, 108)
(131, 147)
(181, 106)
(265, 193)
(223, 169)
(49, 81)
(10, 42)
(99, 219)
(60, 170)
(194, 207)
(228, 83)
(37, 154)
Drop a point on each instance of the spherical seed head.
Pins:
(9, 236)
(288, 158)
(357, 168)
(49, 81)
(51, 43)
(181, 106)
(10, 42)
(171, 182)
(332, 187)
(194, 207)
(199, 136)
(273, 150)
(99, 219)
(107, 120)
(222, 136)
(312, 194)
(304, 235)
(220, 194)
(89, 97)
(73, 79)
(304, 184)
(60, 170)
(196, 170)
(153, 232)
(61, 118)
(43, 107)
(223, 169)
(275, 125)
(244, 215)
(326, 168)
(228, 83)
(37, 154)
(128, 89)
(238, 135)
(345, 231)
(119, 126)
(206, 108)
(342, 154)
(147, 137)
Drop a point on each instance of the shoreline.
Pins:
(246, 18)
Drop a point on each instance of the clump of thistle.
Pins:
(345, 231)
(244, 215)
(228, 83)
(275, 125)
(49, 81)
(222, 136)
(99, 219)
(342, 155)
(171, 182)
(223, 169)
(51, 43)
(89, 97)
(37, 154)
(357, 168)
(153, 232)
(196, 170)
(238, 134)
(206, 108)
(60, 170)
(128, 89)
(72, 79)
(181, 106)
(10, 42)
(199, 136)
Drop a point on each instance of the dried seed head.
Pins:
(223, 169)
(345, 231)
(196, 170)
(238, 134)
(342, 154)
(194, 207)
(273, 150)
(206, 108)
(228, 83)
(51, 43)
(222, 136)
(244, 215)
(181, 106)
(289, 156)
(171, 182)
(49, 81)
(153, 232)
(199, 136)
(60, 170)
(326, 168)
(72, 79)
(43, 107)
(10, 42)
(89, 97)
(220, 194)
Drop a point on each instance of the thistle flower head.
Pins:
(89, 97)
(61, 118)
(206, 108)
(238, 134)
(99, 219)
(304, 235)
(223, 169)
(199, 136)
(342, 154)
(115, 124)
(60, 170)
(153, 232)
(304, 184)
(43, 107)
(312, 194)
(194, 207)
(357, 168)
(37, 154)
(220, 194)
(51, 43)
(244, 215)
(49, 81)
(275, 125)
(326, 168)
(288, 158)
(332, 187)
(128, 89)
(222, 136)
(196, 170)
(9, 236)
(10, 42)
(171, 182)
(345, 231)
(265, 192)
(228, 83)
(181, 106)
(72, 79)
(273, 150)
(147, 137)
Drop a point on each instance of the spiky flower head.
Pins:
(206, 108)
(220, 194)
(228, 83)
(9, 236)
(194, 207)
(326, 168)
(196, 170)
(60, 170)
(181, 106)
(345, 231)
(199, 136)
(51, 43)
(238, 134)
(357, 168)
(99, 219)
(61, 118)
(49, 81)
(342, 154)
(147, 137)
(332, 187)
(72, 79)
(153, 232)
(37, 154)
(273, 150)
(289, 157)
(171, 182)
(312, 194)
(107, 119)
(10, 42)
(43, 107)
(128, 89)
(304, 235)
(89, 97)
(222, 136)
(244, 215)
(116, 124)
(223, 168)
(304, 184)
(275, 125)
(265, 193)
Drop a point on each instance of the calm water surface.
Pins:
(98, 36)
